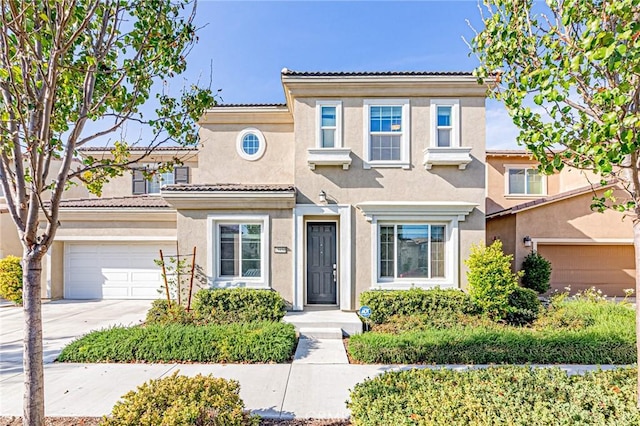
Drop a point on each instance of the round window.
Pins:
(251, 144)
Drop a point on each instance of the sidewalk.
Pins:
(270, 390)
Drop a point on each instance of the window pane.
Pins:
(158, 180)
(437, 251)
(386, 251)
(385, 147)
(229, 242)
(250, 144)
(534, 182)
(251, 250)
(444, 116)
(444, 137)
(328, 116)
(386, 118)
(328, 138)
(516, 181)
(412, 245)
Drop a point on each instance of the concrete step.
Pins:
(348, 322)
(320, 333)
(320, 351)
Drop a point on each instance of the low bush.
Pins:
(491, 280)
(525, 306)
(385, 304)
(226, 306)
(247, 342)
(572, 331)
(425, 322)
(163, 312)
(536, 273)
(11, 279)
(182, 401)
(492, 396)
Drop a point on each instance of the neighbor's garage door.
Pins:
(610, 268)
(112, 270)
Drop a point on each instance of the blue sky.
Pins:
(247, 43)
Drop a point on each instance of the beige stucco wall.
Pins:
(9, 242)
(503, 228)
(220, 162)
(498, 199)
(193, 230)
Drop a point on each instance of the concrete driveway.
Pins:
(63, 321)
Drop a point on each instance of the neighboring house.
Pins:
(529, 211)
(360, 180)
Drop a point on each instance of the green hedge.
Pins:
(254, 342)
(496, 396)
(182, 401)
(387, 303)
(226, 306)
(501, 345)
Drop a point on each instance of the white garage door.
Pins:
(113, 270)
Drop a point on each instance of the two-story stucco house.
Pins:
(528, 211)
(359, 180)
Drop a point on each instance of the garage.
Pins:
(113, 270)
(610, 268)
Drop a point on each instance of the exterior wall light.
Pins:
(527, 241)
(323, 196)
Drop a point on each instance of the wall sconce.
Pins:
(322, 196)
(527, 241)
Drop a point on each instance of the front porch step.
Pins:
(348, 322)
(320, 333)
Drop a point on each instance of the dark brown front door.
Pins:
(321, 263)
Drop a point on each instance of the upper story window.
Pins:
(386, 132)
(251, 144)
(524, 180)
(329, 124)
(141, 185)
(445, 123)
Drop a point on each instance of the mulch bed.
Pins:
(95, 421)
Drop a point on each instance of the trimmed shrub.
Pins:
(182, 401)
(525, 306)
(226, 306)
(491, 280)
(247, 342)
(536, 273)
(500, 395)
(436, 302)
(162, 312)
(11, 279)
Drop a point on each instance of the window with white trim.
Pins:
(386, 132)
(142, 184)
(251, 144)
(239, 250)
(412, 251)
(329, 124)
(525, 181)
(445, 123)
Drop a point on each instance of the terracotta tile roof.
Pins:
(139, 148)
(136, 201)
(271, 105)
(230, 187)
(547, 200)
(286, 71)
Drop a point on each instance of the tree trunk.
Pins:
(33, 404)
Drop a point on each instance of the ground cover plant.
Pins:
(258, 342)
(582, 330)
(11, 279)
(499, 395)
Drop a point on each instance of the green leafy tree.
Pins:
(536, 272)
(579, 61)
(72, 72)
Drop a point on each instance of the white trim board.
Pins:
(116, 238)
(580, 241)
(345, 284)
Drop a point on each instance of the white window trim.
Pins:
(455, 122)
(413, 280)
(338, 136)
(405, 141)
(263, 144)
(213, 243)
(507, 194)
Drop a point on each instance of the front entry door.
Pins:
(322, 270)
